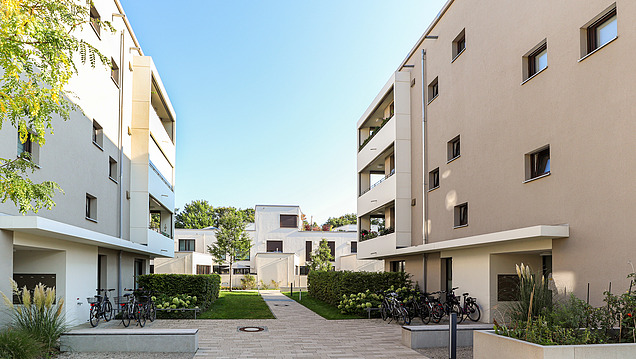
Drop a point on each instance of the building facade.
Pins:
(486, 148)
(115, 162)
(279, 253)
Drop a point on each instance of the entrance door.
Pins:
(101, 272)
(447, 273)
(139, 270)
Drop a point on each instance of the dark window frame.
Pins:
(454, 148)
(459, 44)
(592, 38)
(433, 179)
(91, 207)
(540, 163)
(433, 90)
(273, 243)
(95, 20)
(204, 269)
(532, 60)
(186, 243)
(112, 169)
(354, 247)
(97, 135)
(461, 215)
(397, 266)
(114, 71)
(308, 250)
(284, 218)
(332, 249)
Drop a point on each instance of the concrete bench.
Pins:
(437, 336)
(130, 340)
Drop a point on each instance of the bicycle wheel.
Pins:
(152, 312)
(437, 313)
(108, 311)
(455, 308)
(425, 313)
(141, 316)
(474, 313)
(94, 315)
(384, 312)
(125, 316)
(405, 318)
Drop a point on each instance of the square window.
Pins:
(433, 90)
(91, 207)
(538, 163)
(537, 60)
(112, 169)
(203, 269)
(602, 30)
(275, 246)
(114, 72)
(288, 221)
(354, 247)
(95, 20)
(453, 149)
(433, 179)
(186, 245)
(397, 266)
(97, 135)
(459, 44)
(461, 215)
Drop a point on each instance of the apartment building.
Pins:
(280, 250)
(115, 163)
(504, 137)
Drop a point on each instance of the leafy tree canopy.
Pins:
(38, 49)
(232, 242)
(350, 218)
(201, 214)
(321, 257)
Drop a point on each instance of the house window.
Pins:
(114, 71)
(304, 270)
(91, 207)
(459, 44)
(354, 247)
(241, 270)
(433, 90)
(221, 269)
(538, 163)
(433, 179)
(95, 20)
(140, 265)
(112, 169)
(453, 149)
(507, 287)
(26, 146)
(397, 266)
(98, 135)
(275, 246)
(332, 249)
(31, 281)
(203, 269)
(602, 31)
(288, 221)
(461, 215)
(186, 245)
(308, 245)
(537, 60)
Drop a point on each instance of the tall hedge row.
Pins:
(330, 286)
(204, 286)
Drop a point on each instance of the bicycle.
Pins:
(420, 307)
(469, 310)
(393, 307)
(100, 307)
(132, 308)
(150, 308)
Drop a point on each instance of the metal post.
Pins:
(588, 294)
(452, 340)
(292, 290)
(300, 295)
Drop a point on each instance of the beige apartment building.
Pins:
(115, 163)
(506, 136)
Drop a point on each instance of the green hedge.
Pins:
(331, 286)
(204, 286)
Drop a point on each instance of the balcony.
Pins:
(379, 142)
(381, 194)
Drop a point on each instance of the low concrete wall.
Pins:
(487, 344)
(436, 336)
(130, 340)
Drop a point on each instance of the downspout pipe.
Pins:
(424, 150)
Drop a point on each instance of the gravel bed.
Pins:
(442, 353)
(70, 355)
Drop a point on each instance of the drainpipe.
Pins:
(119, 285)
(424, 151)
(120, 136)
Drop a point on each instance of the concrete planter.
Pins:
(487, 344)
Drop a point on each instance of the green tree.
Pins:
(38, 49)
(321, 258)
(350, 218)
(232, 242)
(200, 214)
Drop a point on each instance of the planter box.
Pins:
(487, 344)
(437, 336)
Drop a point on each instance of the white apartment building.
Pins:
(280, 250)
(116, 165)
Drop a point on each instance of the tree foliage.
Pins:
(38, 49)
(232, 242)
(349, 218)
(201, 214)
(321, 257)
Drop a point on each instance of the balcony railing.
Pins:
(366, 235)
(158, 230)
(378, 182)
(384, 121)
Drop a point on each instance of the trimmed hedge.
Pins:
(331, 286)
(204, 286)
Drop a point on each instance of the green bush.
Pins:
(203, 286)
(248, 281)
(357, 303)
(332, 285)
(18, 344)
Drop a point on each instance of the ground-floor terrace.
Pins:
(484, 265)
(75, 261)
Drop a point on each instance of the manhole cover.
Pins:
(281, 305)
(252, 329)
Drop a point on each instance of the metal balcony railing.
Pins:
(378, 182)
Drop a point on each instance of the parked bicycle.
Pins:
(469, 310)
(132, 308)
(420, 306)
(150, 308)
(392, 307)
(100, 307)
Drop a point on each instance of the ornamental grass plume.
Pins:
(37, 314)
(534, 294)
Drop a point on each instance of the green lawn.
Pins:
(321, 308)
(238, 305)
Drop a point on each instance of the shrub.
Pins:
(356, 303)
(204, 286)
(39, 315)
(535, 296)
(331, 286)
(18, 344)
(248, 281)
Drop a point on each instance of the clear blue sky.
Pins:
(268, 93)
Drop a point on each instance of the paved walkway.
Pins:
(296, 333)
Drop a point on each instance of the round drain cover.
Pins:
(251, 329)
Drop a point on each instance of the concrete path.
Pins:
(296, 333)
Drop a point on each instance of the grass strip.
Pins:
(238, 305)
(321, 308)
